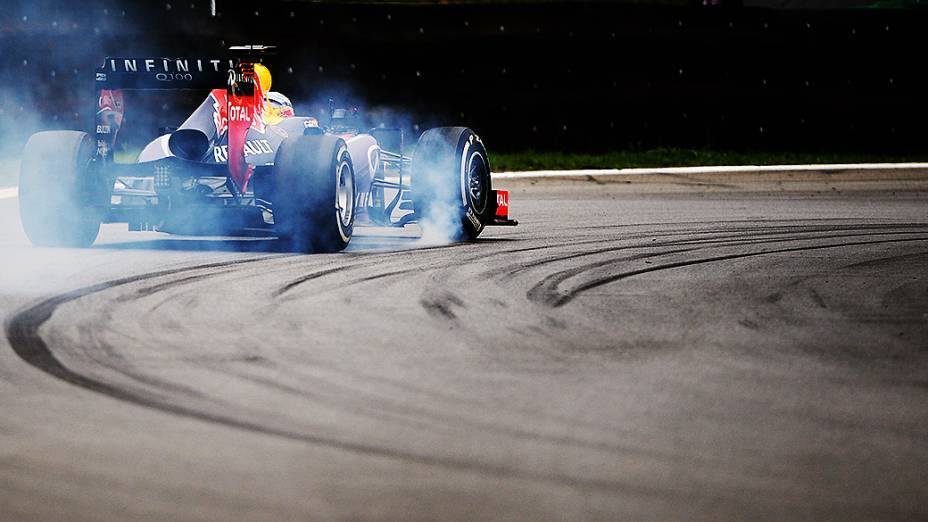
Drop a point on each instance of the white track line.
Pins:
(711, 170)
(8, 193)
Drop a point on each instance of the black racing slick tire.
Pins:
(61, 198)
(451, 183)
(314, 194)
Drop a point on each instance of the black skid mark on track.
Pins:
(291, 285)
(547, 292)
(719, 237)
(22, 332)
(747, 323)
(694, 181)
(308, 277)
(442, 305)
(153, 289)
(885, 260)
(383, 275)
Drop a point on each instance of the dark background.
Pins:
(550, 76)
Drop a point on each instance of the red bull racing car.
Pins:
(243, 158)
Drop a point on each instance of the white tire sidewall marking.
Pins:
(342, 163)
(464, 164)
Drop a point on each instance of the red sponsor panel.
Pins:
(502, 203)
(245, 111)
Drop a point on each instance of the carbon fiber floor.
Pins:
(700, 352)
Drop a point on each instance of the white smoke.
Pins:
(440, 228)
(18, 121)
(48, 86)
(441, 223)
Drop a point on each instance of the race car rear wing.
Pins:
(117, 74)
(164, 73)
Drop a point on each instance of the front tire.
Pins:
(451, 183)
(61, 200)
(314, 194)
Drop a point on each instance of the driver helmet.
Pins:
(264, 76)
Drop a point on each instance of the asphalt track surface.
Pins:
(657, 349)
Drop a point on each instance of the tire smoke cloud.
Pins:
(49, 56)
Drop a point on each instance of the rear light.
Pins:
(162, 176)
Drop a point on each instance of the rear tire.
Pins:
(451, 183)
(314, 194)
(61, 200)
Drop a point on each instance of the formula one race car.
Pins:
(243, 158)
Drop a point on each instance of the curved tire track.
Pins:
(22, 331)
(542, 272)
